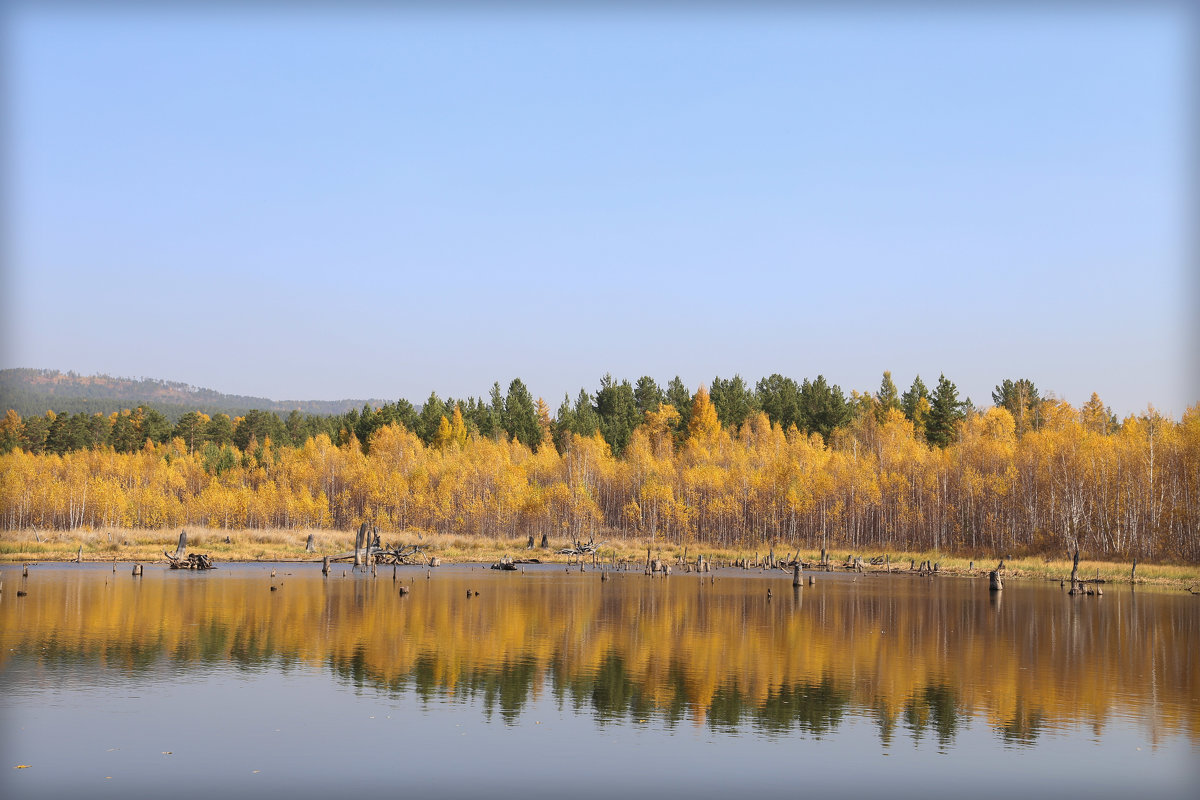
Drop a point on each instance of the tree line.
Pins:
(1026, 475)
(614, 410)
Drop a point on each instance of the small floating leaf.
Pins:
(22, 766)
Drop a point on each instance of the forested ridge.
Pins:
(32, 391)
(794, 463)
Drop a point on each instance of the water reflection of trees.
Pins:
(917, 659)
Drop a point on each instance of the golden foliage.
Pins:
(1125, 490)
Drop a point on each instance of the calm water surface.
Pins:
(552, 684)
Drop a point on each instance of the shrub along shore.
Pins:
(248, 546)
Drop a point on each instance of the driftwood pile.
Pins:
(193, 560)
(581, 548)
(505, 563)
(369, 549)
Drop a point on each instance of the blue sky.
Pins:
(348, 204)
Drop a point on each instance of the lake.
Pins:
(550, 683)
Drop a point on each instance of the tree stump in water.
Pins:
(434, 561)
(796, 580)
(325, 565)
(137, 569)
(994, 582)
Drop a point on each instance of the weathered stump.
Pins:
(529, 545)
(325, 565)
(994, 582)
(79, 555)
(545, 541)
(796, 579)
(308, 546)
(434, 561)
(137, 569)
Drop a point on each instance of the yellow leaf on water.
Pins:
(22, 766)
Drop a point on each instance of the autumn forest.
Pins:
(728, 465)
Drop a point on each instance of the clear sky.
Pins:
(340, 204)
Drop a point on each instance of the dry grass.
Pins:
(289, 545)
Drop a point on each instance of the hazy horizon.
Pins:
(370, 204)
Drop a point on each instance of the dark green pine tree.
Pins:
(584, 419)
(1022, 400)
(888, 398)
(520, 416)
(617, 408)
(123, 437)
(649, 397)
(154, 426)
(257, 426)
(561, 427)
(910, 401)
(679, 396)
(823, 408)
(219, 430)
(430, 418)
(192, 430)
(491, 422)
(945, 410)
(779, 397)
(733, 401)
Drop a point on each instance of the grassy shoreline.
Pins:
(289, 545)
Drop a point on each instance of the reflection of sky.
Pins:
(306, 735)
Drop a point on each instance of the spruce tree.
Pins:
(888, 398)
(945, 410)
(520, 416)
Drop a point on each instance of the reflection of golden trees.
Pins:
(915, 656)
(1075, 481)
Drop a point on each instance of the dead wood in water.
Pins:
(193, 561)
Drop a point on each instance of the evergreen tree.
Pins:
(733, 401)
(520, 417)
(617, 408)
(123, 436)
(192, 429)
(584, 419)
(823, 408)
(1021, 399)
(430, 418)
(219, 430)
(257, 426)
(491, 417)
(910, 401)
(563, 422)
(779, 397)
(679, 396)
(152, 425)
(649, 397)
(888, 398)
(945, 410)
(369, 421)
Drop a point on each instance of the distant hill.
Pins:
(34, 391)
